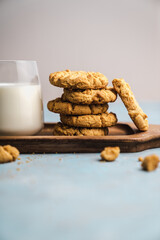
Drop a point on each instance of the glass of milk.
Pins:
(21, 108)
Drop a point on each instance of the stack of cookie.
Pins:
(83, 105)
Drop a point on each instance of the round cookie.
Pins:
(90, 96)
(60, 129)
(90, 121)
(78, 79)
(67, 108)
(135, 112)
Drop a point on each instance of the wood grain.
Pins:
(124, 135)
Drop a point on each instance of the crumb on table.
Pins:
(8, 153)
(150, 162)
(140, 159)
(110, 153)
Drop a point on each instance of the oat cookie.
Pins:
(110, 153)
(90, 96)
(64, 130)
(90, 121)
(78, 79)
(135, 112)
(67, 108)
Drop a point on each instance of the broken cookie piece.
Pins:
(150, 162)
(5, 156)
(8, 153)
(12, 150)
(110, 153)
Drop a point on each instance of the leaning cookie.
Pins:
(60, 129)
(78, 79)
(90, 121)
(134, 110)
(67, 108)
(90, 96)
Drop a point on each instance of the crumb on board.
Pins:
(18, 169)
(8, 153)
(110, 153)
(150, 162)
(27, 161)
(60, 159)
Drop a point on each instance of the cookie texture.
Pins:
(90, 121)
(60, 129)
(135, 112)
(8, 153)
(110, 153)
(78, 79)
(90, 96)
(67, 108)
(12, 150)
(150, 162)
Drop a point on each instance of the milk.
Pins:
(21, 111)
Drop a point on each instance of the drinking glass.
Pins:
(21, 108)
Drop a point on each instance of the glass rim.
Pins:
(18, 61)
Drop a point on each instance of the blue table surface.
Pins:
(75, 196)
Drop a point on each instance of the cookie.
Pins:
(90, 96)
(67, 108)
(63, 130)
(135, 112)
(78, 79)
(90, 121)
(110, 153)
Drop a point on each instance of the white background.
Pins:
(119, 38)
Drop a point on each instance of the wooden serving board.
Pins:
(124, 135)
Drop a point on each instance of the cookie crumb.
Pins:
(18, 158)
(110, 153)
(19, 163)
(140, 159)
(18, 169)
(27, 161)
(150, 162)
(60, 159)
